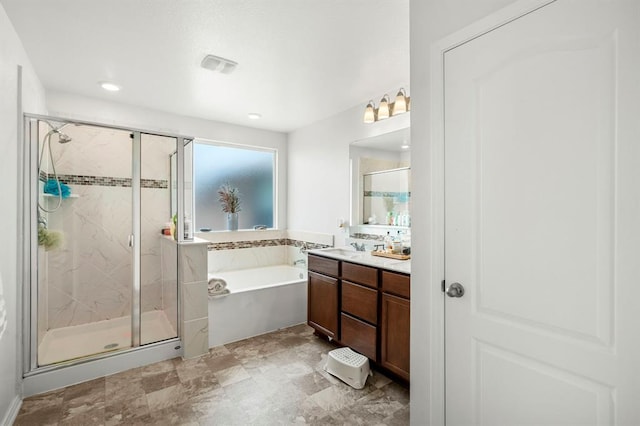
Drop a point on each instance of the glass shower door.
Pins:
(158, 253)
(84, 256)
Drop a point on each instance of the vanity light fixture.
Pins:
(370, 113)
(386, 108)
(383, 108)
(400, 105)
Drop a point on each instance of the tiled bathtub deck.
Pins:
(274, 379)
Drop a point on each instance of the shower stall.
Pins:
(101, 282)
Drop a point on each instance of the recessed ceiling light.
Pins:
(109, 86)
(405, 145)
(254, 116)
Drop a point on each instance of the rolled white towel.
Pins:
(216, 284)
(222, 293)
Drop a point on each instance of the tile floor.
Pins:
(273, 379)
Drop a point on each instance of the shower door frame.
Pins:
(30, 191)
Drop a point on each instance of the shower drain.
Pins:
(111, 346)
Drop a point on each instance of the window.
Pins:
(251, 170)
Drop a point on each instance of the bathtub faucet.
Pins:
(299, 262)
(358, 247)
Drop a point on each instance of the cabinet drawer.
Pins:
(324, 265)
(360, 301)
(360, 274)
(359, 336)
(397, 284)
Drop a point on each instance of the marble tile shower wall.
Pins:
(89, 278)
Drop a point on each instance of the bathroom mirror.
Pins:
(380, 179)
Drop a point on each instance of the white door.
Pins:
(542, 219)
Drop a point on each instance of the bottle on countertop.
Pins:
(188, 228)
(397, 244)
(388, 243)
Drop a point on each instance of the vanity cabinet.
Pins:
(363, 307)
(395, 323)
(323, 295)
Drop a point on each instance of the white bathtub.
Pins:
(261, 300)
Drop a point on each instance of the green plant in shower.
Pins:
(229, 197)
(50, 240)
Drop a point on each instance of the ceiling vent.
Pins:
(218, 64)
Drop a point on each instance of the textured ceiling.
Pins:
(299, 60)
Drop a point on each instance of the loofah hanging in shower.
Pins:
(50, 240)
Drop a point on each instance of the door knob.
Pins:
(455, 290)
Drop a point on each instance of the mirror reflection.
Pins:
(385, 197)
(381, 176)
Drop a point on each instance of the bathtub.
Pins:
(261, 300)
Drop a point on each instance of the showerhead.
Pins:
(63, 137)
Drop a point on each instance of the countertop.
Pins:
(348, 254)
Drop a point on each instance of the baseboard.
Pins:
(13, 411)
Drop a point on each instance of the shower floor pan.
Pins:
(79, 341)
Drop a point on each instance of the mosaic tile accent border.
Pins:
(106, 181)
(265, 243)
(401, 195)
(361, 236)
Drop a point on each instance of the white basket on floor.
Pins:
(348, 366)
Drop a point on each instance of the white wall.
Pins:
(12, 54)
(430, 22)
(319, 176)
(76, 107)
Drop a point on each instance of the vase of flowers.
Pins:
(229, 198)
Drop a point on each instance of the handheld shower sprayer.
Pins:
(63, 138)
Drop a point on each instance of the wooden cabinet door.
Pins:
(396, 317)
(322, 304)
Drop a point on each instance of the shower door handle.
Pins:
(131, 240)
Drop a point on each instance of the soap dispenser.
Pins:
(397, 244)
